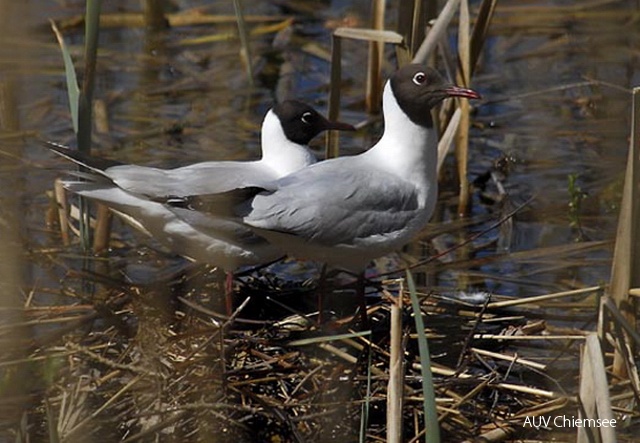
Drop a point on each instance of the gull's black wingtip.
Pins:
(219, 204)
(96, 164)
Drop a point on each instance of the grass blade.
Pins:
(85, 107)
(432, 434)
(73, 91)
(244, 40)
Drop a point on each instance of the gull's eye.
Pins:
(419, 78)
(306, 117)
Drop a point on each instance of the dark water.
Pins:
(556, 104)
(539, 110)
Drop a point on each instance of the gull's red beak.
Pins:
(456, 91)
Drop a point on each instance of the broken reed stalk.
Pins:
(624, 338)
(395, 386)
(594, 392)
(370, 35)
(60, 197)
(447, 372)
(447, 138)
(500, 337)
(626, 259)
(101, 116)
(620, 319)
(331, 139)
(102, 232)
(539, 298)
(376, 55)
(464, 78)
(513, 358)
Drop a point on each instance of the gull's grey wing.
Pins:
(199, 236)
(199, 179)
(331, 206)
(223, 229)
(154, 216)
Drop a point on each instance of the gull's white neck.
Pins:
(278, 152)
(408, 150)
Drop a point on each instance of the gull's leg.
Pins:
(360, 293)
(322, 287)
(228, 292)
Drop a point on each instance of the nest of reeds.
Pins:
(140, 362)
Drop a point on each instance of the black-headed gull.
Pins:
(137, 192)
(349, 210)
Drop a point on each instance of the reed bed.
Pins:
(130, 364)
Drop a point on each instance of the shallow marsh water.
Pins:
(556, 90)
(170, 102)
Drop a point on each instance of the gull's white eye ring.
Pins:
(306, 117)
(419, 78)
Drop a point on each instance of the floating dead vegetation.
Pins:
(134, 363)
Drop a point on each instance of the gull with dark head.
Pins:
(349, 210)
(138, 192)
